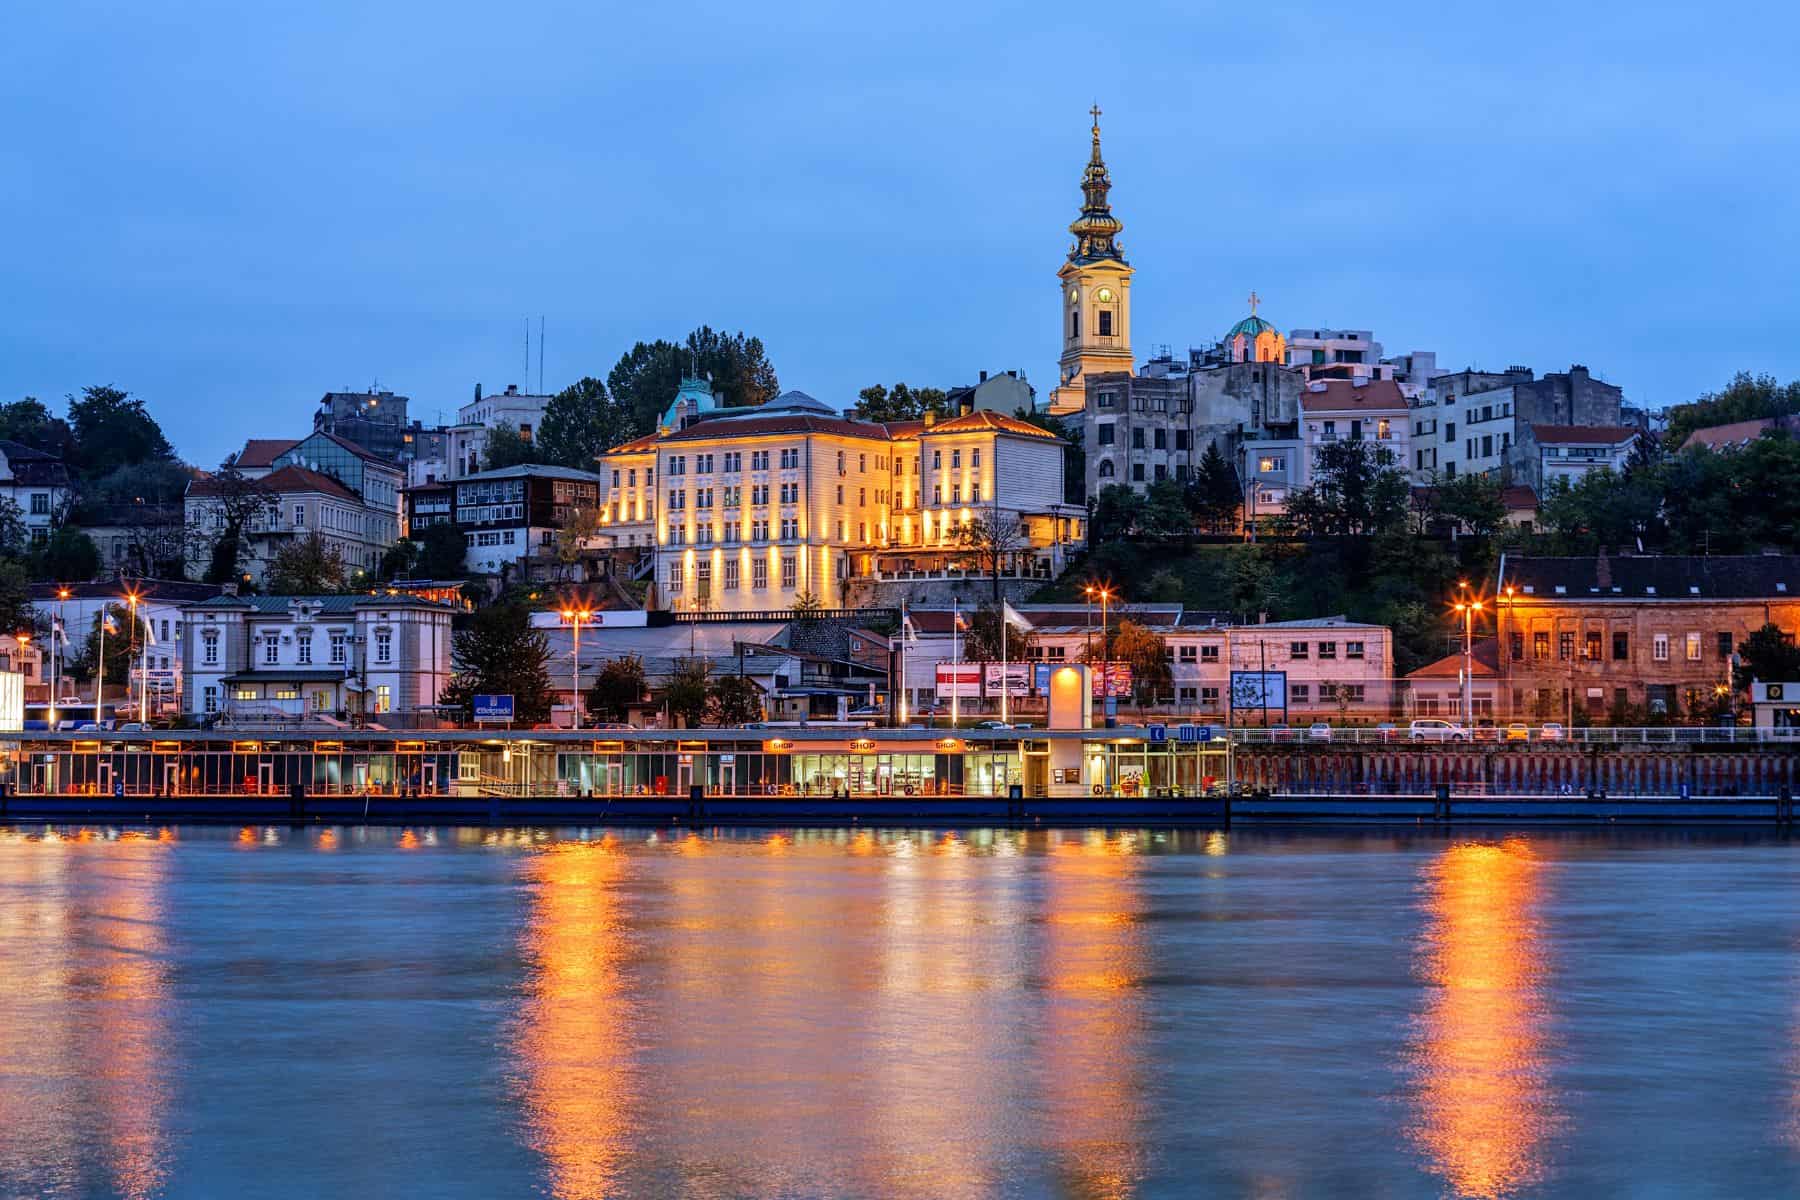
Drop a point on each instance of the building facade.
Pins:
(1642, 634)
(511, 515)
(255, 658)
(1549, 455)
(39, 484)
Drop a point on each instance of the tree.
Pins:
(234, 501)
(687, 692)
(1356, 491)
(70, 556)
(993, 537)
(1114, 513)
(121, 639)
(582, 422)
(1767, 655)
(618, 686)
(734, 700)
(15, 596)
(1255, 584)
(498, 653)
(28, 422)
(13, 535)
(981, 642)
(1148, 656)
(1746, 398)
(507, 447)
(579, 528)
(1216, 494)
(899, 403)
(444, 552)
(1165, 516)
(646, 377)
(308, 566)
(1470, 502)
(111, 430)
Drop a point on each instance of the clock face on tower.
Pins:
(1104, 295)
(1074, 295)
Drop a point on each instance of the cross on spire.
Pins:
(1254, 301)
(1096, 112)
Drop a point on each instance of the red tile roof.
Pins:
(777, 424)
(637, 445)
(1486, 664)
(982, 419)
(285, 481)
(262, 452)
(1518, 496)
(1341, 395)
(1607, 435)
(1719, 437)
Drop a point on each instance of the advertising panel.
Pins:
(959, 680)
(1259, 689)
(1018, 678)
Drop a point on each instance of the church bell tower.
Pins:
(1094, 290)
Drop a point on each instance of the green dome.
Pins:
(1250, 326)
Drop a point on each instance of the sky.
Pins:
(230, 208)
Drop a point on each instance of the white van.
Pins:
(1438, 731)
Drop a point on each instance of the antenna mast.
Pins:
(540, 354)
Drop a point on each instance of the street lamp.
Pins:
(1105, 595)
(576, 617)
(58, 635)
(131, 601)
(1468, 607)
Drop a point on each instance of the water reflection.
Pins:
(573, 1041)
(1485, 1108)
(1093, 965)
(85, 1089)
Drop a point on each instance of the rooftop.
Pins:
(529, 471)
(262, 452)
(1654, 577)
(337, 604)
(1582, 435)
(983, 419)
(1343, 395)
(1485, 663)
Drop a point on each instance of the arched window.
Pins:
(1074, 322)
(1106, 469)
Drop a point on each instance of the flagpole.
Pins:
(1005, 679)
(956, 665)
(100, 666)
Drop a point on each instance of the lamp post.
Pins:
(1468, 606)
(58, 635)
(131, 602)
(576, 617)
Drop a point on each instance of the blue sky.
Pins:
(231, 208)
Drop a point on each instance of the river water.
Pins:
(275, 1013)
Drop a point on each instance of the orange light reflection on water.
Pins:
(572, 1041)
(1485, 1109)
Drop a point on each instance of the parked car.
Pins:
(990, 725)
(1432, 730)
(1319, 732)
(1387, 731)
(1518, 731)
(1553, 731)
(1283, 733)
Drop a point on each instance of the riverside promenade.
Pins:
(1151, 774)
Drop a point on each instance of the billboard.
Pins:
(1018, 678)
(493, 708)
(959, 680)
(1259, 689)
(1111, 678)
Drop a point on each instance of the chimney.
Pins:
(478, 393)
(930, 417)
(983, 378)
(228, 589)
(1603, 569)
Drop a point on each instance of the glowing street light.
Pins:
(577, 617)
(1468, 606)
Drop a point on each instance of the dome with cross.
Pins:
(1254, 339)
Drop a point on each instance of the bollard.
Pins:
(1440, 808)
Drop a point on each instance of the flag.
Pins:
(1013, 617)
(149, 630)
(108, 624)
(908, 630)
(956, 618)
(57, 633)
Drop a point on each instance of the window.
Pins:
(1353, 649)
(1137, 439)
(1565, 645)
(937, 460)
(1299, 649)
(975, 459)
(703, 577)
(339, 650)
(1621, 647)
(271, 650)
(299, 516)
(1106, 469)
(1591, 652)
(1328, 691)
(675, 580)
(1108, 400)
(1302, 693)
(1517, 646)
(788, 576)
(759, 573)
(1327, 650)
(1137, 472)
(1693, 647)
(40, 504)
(1187, 654)
(1104, 433)
(1540, 645)
(384, 698)
(209, 648)
(1724, 639)
(1209, 654)
(1105, 322)
(384, 645)
(303, 647)
(1161, 439)
(1659, 647)
(731, 575)
(1209, 697)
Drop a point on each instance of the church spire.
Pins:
(1096, 230)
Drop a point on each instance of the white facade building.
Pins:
(283, 657)
(38, 483)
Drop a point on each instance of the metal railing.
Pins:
(1604, 735)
